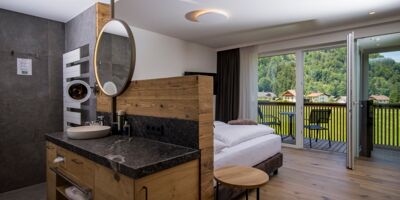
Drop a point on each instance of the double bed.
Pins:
(246, 145)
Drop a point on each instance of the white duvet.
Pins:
(232, 135)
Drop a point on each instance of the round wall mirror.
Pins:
(114, 58)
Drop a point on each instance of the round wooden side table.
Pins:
(241, 177)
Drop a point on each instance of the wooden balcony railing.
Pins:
(386, 124)
(386, 128)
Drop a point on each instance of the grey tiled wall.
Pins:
(30, 106)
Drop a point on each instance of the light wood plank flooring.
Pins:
(313, 174)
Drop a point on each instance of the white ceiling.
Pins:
(250, 20)
(58, 10)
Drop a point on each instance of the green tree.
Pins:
(325, 71)
(395, 93)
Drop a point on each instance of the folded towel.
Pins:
(242, 122)
(74, 193)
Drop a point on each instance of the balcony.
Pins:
(386, 124)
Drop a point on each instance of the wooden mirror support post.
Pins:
(105, 16)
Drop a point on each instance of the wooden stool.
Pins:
(241, 177)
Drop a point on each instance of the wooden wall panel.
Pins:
(206, 136)
(188, 98)
(103, 15)
(169, 98)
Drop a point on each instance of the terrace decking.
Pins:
(339, 147)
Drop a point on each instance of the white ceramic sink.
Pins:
(88, 132)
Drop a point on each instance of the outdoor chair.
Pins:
(316, 119)
(270, 120)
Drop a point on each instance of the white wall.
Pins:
(160, 56)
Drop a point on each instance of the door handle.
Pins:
(49, 147)
(145, 192)
(77, 161)
(59, 159)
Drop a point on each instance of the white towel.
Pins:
(74, 193)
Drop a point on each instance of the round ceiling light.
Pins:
(209, 16)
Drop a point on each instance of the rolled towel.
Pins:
(74, 193)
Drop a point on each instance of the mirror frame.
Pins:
(132, 62)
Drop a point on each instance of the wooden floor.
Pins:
(313, 174)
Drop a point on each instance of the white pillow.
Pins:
(218, 146)
(234, 134)
(219, 123)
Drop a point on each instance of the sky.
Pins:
(395, 55)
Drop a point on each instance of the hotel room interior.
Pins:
(199, 99)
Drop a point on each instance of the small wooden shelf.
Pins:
(61, 190)
(63, 182)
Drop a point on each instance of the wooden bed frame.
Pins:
(270, 166)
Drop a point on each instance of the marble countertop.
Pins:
(134, 157)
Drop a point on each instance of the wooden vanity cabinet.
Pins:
(180, 182)
(50, 175)
(78, 168)
(177, 183)
(112, 186)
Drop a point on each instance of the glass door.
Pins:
(325, 99)
(353, 79)
(277, 95)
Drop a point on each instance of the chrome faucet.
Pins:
(100, 120)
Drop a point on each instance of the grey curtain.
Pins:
(228, 71)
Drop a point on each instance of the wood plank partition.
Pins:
(187, 98)
(103, 15)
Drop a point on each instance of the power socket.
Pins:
(155, 130)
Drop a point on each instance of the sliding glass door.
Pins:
(325, 99)
(353, 106)
(277, 95)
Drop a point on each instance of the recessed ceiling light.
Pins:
(372, 13)
(207, 16)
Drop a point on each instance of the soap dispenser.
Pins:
(127, 129)
(120, 121)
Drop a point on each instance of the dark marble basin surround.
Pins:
(135, 158)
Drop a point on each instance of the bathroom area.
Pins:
(83, 117)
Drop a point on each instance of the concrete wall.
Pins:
(30, 106)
